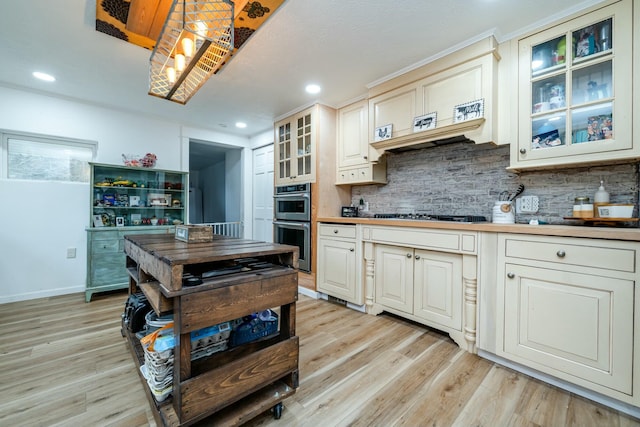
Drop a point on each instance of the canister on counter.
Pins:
(582, 207)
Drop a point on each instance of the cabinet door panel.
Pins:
(581, 326)
(394, 277)
(337, 270)
(576, 109)
(397, 108)
(353, 141)
(443, 95)
(438, 288)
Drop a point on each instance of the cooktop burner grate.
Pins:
(427, 217)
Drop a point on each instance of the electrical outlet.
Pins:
(527, 204)
(71, 252)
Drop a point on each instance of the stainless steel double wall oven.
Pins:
(292, 223)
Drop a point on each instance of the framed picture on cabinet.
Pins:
(119, 221)
(468, 111)
(425, 122)
(383, 132)
(97, 221)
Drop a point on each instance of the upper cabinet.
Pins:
(436, 89)
(123, 196)
(295, 148)
(354, 164)
(575, 91)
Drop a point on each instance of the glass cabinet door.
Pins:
(571, 100)
(575, 91)
(284, 150)
(303, 145)
(133, 196)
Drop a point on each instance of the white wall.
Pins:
(40, 220)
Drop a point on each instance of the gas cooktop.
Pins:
(428, 217)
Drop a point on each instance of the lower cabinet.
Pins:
(339, 263)
(106, 259)
(426, 284)
(565, 307)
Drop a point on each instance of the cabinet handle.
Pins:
(523, 151)
(335, 231)
(561, 253)
(408, 255)
(351, 250)
(511, 275)
(417, 256)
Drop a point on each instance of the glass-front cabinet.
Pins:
(575, 91)
(128, 200)
(295, 148)
(132, 196)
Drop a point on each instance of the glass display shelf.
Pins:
(123, 196)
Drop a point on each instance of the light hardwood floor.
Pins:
(64, 363)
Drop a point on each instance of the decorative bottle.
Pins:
(601, 197)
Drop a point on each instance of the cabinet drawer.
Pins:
(344, 231)
(106, 246)
(562, 251)
(418, 238)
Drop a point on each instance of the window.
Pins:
(45, 158)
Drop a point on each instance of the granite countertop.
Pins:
(593, 232)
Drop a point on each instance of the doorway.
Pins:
(215, 180)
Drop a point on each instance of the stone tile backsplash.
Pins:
(466, 179)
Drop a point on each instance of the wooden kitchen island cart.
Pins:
(228, 279)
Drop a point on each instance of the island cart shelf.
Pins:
(232, 386)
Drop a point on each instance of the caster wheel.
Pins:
(277, 411)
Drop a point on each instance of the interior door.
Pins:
(263, 193)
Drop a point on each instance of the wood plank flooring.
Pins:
(64, 363)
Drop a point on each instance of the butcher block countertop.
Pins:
(593, 232)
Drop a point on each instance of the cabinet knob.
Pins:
(365, 157)
(408, 255)
(417, 256)
(351, 250)
(511, 275)
(561, 253)
(523, 151)
(335, 231)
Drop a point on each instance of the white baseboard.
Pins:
(308, 292)
(41, 294)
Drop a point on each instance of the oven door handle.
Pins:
(306, 196)
(292, 224)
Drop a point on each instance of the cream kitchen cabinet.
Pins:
(340, 262)
(467, 75)
(565, 307)
(295, 147)
(575, 91)
(429, 276)
(353, 151)
(426, 284)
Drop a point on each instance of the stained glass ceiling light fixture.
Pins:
(196, 40)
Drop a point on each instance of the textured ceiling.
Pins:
(342, 45)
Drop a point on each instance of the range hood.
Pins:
(459, 132)
(467, 78)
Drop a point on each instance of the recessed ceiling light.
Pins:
(312, 88)
(241, 125)
(44, 76)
